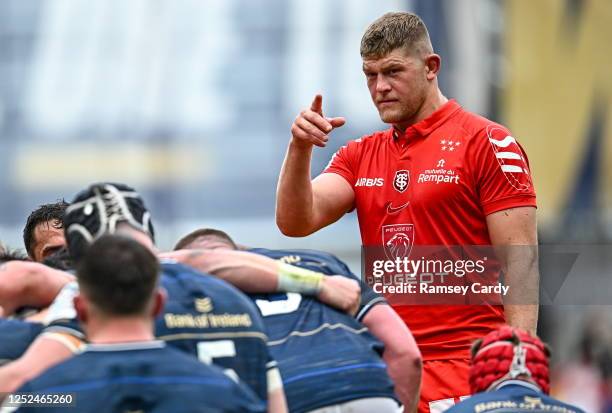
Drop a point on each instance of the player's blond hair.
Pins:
(392, 31)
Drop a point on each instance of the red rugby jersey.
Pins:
(437, 183)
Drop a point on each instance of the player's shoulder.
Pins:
(170, 362)
(318, 255)
(101, 362)
(365, 144)
(512, 397)
(482, 400)
(170, 267)
(368, 141)
(71, 370)
(374, 137)
(315, 260)
(157, 358)
(182, 282)
(479, 129)
(173, 271)
(177, 362)
(298, 253)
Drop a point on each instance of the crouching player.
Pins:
(329, 361)
(509, 373)
(124, 368)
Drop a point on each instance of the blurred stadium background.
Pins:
(191, 101)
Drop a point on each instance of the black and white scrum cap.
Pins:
(98, 210)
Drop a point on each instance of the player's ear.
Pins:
(433, 62)
(475, 347)
(159, 300)
(80, 306)
(547, 350)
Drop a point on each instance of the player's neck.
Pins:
(119, 330)
(432, 103)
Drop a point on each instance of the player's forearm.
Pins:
(253, 273)
(29, 284)
(521, 307)
(523, 279)
(402, 355)
(248, 272)
(10, 379)
(277, 402)
(404, 365)
(522, 316)
(294, 195)
(46, 285)
(42, 354)
(405, 371)
(14, 279)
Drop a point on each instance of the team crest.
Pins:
(401, 180)
(398, 240)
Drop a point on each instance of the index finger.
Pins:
(317, 104)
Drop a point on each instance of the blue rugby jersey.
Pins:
(204, 316)
(141, 377)
(208, 317)
(325, 356)
(512, 396)
(15, 338)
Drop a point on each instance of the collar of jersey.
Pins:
(137, 345)
(521, 383)
(430, 123)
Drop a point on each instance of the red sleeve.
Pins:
(501, 171)
(342, 163)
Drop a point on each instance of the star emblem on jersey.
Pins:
(401, 180)
(449, 145)
(398, 240)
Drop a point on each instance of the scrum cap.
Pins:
(97, 210)
(509, 353)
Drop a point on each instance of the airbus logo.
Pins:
(370, 182)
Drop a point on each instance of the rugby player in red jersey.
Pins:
(438, 176)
